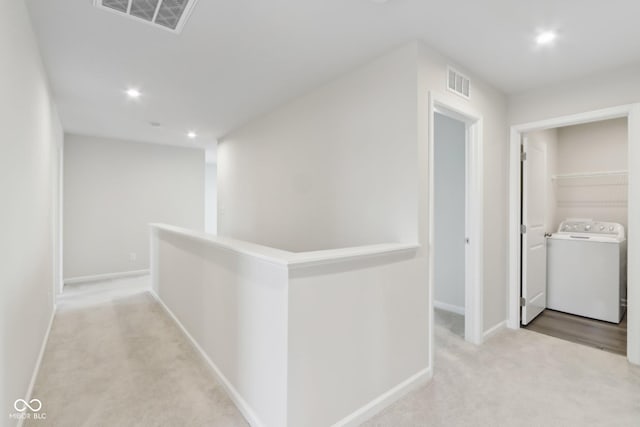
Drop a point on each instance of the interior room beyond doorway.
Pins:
(575, 216)
(449, 217)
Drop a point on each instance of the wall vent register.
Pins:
(168, 14)
(458, 83)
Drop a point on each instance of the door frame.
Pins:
(474, 205)
(632, 113)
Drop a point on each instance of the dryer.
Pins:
(587, 269)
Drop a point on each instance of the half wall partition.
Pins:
(314, 338)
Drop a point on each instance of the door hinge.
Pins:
(523, 229)
(523, 156)
(523, 302)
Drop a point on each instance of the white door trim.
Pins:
(460, 110)
(632, 112)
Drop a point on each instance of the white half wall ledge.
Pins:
(292, 260)
(282, 330)
(105, 276)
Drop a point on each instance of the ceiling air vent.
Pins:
(458, 83)
(168, 14)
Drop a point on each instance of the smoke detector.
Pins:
(167, 14)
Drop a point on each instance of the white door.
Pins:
(534, 245)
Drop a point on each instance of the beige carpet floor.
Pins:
(115, 358)
(121, 361)
(518, 378)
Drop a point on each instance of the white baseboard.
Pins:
(36, 368)
(449, 307)
(494, 329)
(381, 402)
(242, 404)
(106, 276)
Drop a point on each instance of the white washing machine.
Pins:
(587, 269)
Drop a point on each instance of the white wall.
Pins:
(113, 189)
(334, 168)
(617, 87)
(593, 147)
(449, 212)
(339, 167)
(30, 136)
(357, 330)
(491, 105)
(347, 164)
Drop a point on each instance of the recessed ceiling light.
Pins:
(133, 93)
(191, 134)
(155, 124)
(546, 37)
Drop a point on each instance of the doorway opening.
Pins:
(455, 224)
(450, 234)
(573, 242)
(572, 213)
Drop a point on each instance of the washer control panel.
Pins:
(591, 227)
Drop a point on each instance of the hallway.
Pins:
(115, 358)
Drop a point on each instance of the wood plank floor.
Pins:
(594, 333)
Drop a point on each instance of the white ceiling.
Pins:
(236, 59)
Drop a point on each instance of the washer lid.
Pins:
(584, 237)
(585, 228)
